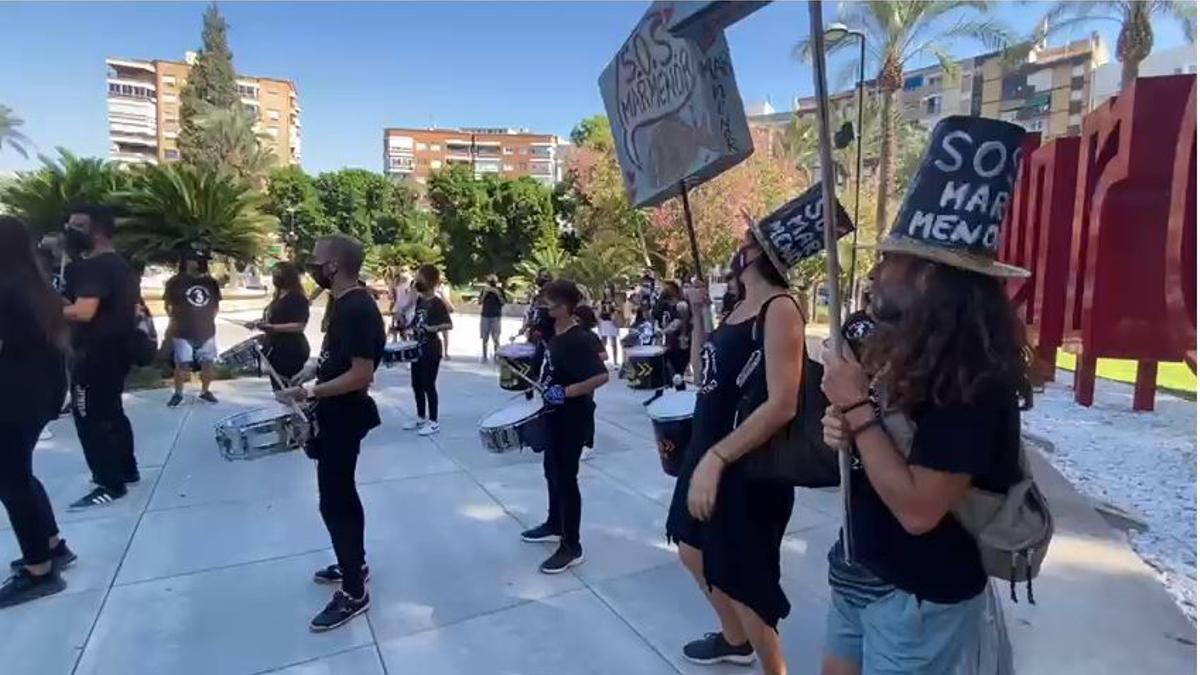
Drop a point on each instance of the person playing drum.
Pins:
(571, 372)
(675, 321)
(284, 322)
(729, 527)
(343, 413)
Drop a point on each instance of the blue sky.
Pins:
(362, 66)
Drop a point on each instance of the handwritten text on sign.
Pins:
(796, 230)
(656, 78)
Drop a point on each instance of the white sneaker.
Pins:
(414, 425)
(430, 429)
(587, 454)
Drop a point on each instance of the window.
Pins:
(913, 82)
(168, 80)
(1076, 94)
(435, 147)
(251, 108)
(1077, 71)
(506, 150)
(273, 115)
(435, 164)
(422, 146)
(247, 91)
(171, 154)
(934, 81)
(933, 105)
(170, 98)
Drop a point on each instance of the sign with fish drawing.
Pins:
(674, 108)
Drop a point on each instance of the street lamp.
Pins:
(291, 233)
(835, 33)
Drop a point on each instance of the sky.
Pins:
(360, 67)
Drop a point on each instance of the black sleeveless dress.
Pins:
(741, 540)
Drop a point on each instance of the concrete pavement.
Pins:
(206, 566)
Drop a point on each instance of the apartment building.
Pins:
(1176, 61)
(416, 153)
(1047, 92)
(144, 102)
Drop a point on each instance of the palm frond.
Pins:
(1184, 12)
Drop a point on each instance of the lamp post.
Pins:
(291, 232)
(834, 33)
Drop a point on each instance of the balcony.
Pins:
(131, 64)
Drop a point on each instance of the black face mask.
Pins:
(320, 276)
(77, 242)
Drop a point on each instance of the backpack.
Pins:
(1013, 529)
(144, 339)
(796, 454)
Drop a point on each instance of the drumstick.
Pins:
(276, 378)
(518, 373)
(248, 325)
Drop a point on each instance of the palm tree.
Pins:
(899, 33)
(44, 198)
(9, 134)
(1136, 38)
(176, 209)
(233, 143)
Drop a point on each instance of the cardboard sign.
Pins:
(674, 108)
(796, 230)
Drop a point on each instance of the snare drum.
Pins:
(517, 357)
(261, 432)
(671, 416)
(521, 423)
(401, 351)
(646, 367)
(242, 357)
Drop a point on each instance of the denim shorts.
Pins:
(897, 635)
(195, 351)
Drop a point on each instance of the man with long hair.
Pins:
(103, 294)
(949, 354)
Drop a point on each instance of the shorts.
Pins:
(199, 351)
(608, 329)
(899, 635)
(489, 327)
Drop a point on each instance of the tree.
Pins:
(43, 198)
(292, 199)
(231, 143)
(1136, 39)
(354, 201)
(211, 86)
(897, 34)
(593, 133)
(176, 209)
(10, 134)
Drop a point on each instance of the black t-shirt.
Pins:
(288, 347)
(431, 311)
(607, 308)
(355, 331)
(572, 357)
(491, 303)
(32, 368)
(194, 302)
(108, 278)
(671, 311)
(981, 439)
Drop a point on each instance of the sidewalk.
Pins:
(206, 567)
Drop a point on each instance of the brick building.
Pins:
(415, 153)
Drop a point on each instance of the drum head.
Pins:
(513, 413)
(401, 345)
(645, 351)
(517, 350)
(673, 405)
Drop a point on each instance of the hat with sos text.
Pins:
(796, 230)
(958, 199)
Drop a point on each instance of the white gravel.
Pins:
(1142, 462)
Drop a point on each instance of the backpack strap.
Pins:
(758, 332)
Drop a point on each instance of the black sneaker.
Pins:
(340, 609)
(23, 587)
(563, 559)
(207, 396)
(60, 556)
(133, 478)
(333, 575)
(175, 400)
(541, 533)
(713, 648)
(98, 497)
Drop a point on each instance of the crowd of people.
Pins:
(947, 353)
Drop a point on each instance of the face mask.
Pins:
(318, 274)
(77, 241)
(738, 264)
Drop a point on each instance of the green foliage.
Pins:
(231, 144)
(175, 209)
(292, 199)
(363, 204)
(43, 198)
(593, 133)
(10, 133)
(488, 225)
(211, 85)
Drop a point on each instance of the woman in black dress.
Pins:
(33, 339)
(729, 527)
(286, 317)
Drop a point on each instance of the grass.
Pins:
(157, 376)
(1172, 376)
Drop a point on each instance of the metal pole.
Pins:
(862, 95)
(829, 195)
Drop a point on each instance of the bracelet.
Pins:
(714, 453)
(855, 406)
(855, 432)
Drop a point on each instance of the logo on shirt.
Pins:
(198, 296)
(708, 368)
(547, 377)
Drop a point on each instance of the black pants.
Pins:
(97, 382)
(677, 360)
(341, 508)
(22, 494)
(424, 384)
(565, 505)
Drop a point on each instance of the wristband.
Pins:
(855, 406)
(855, 432)
(714, 453)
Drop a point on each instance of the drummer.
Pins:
(431, 317)
(728, 527)
(675, 321)
(571, 372)
(284, 322)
